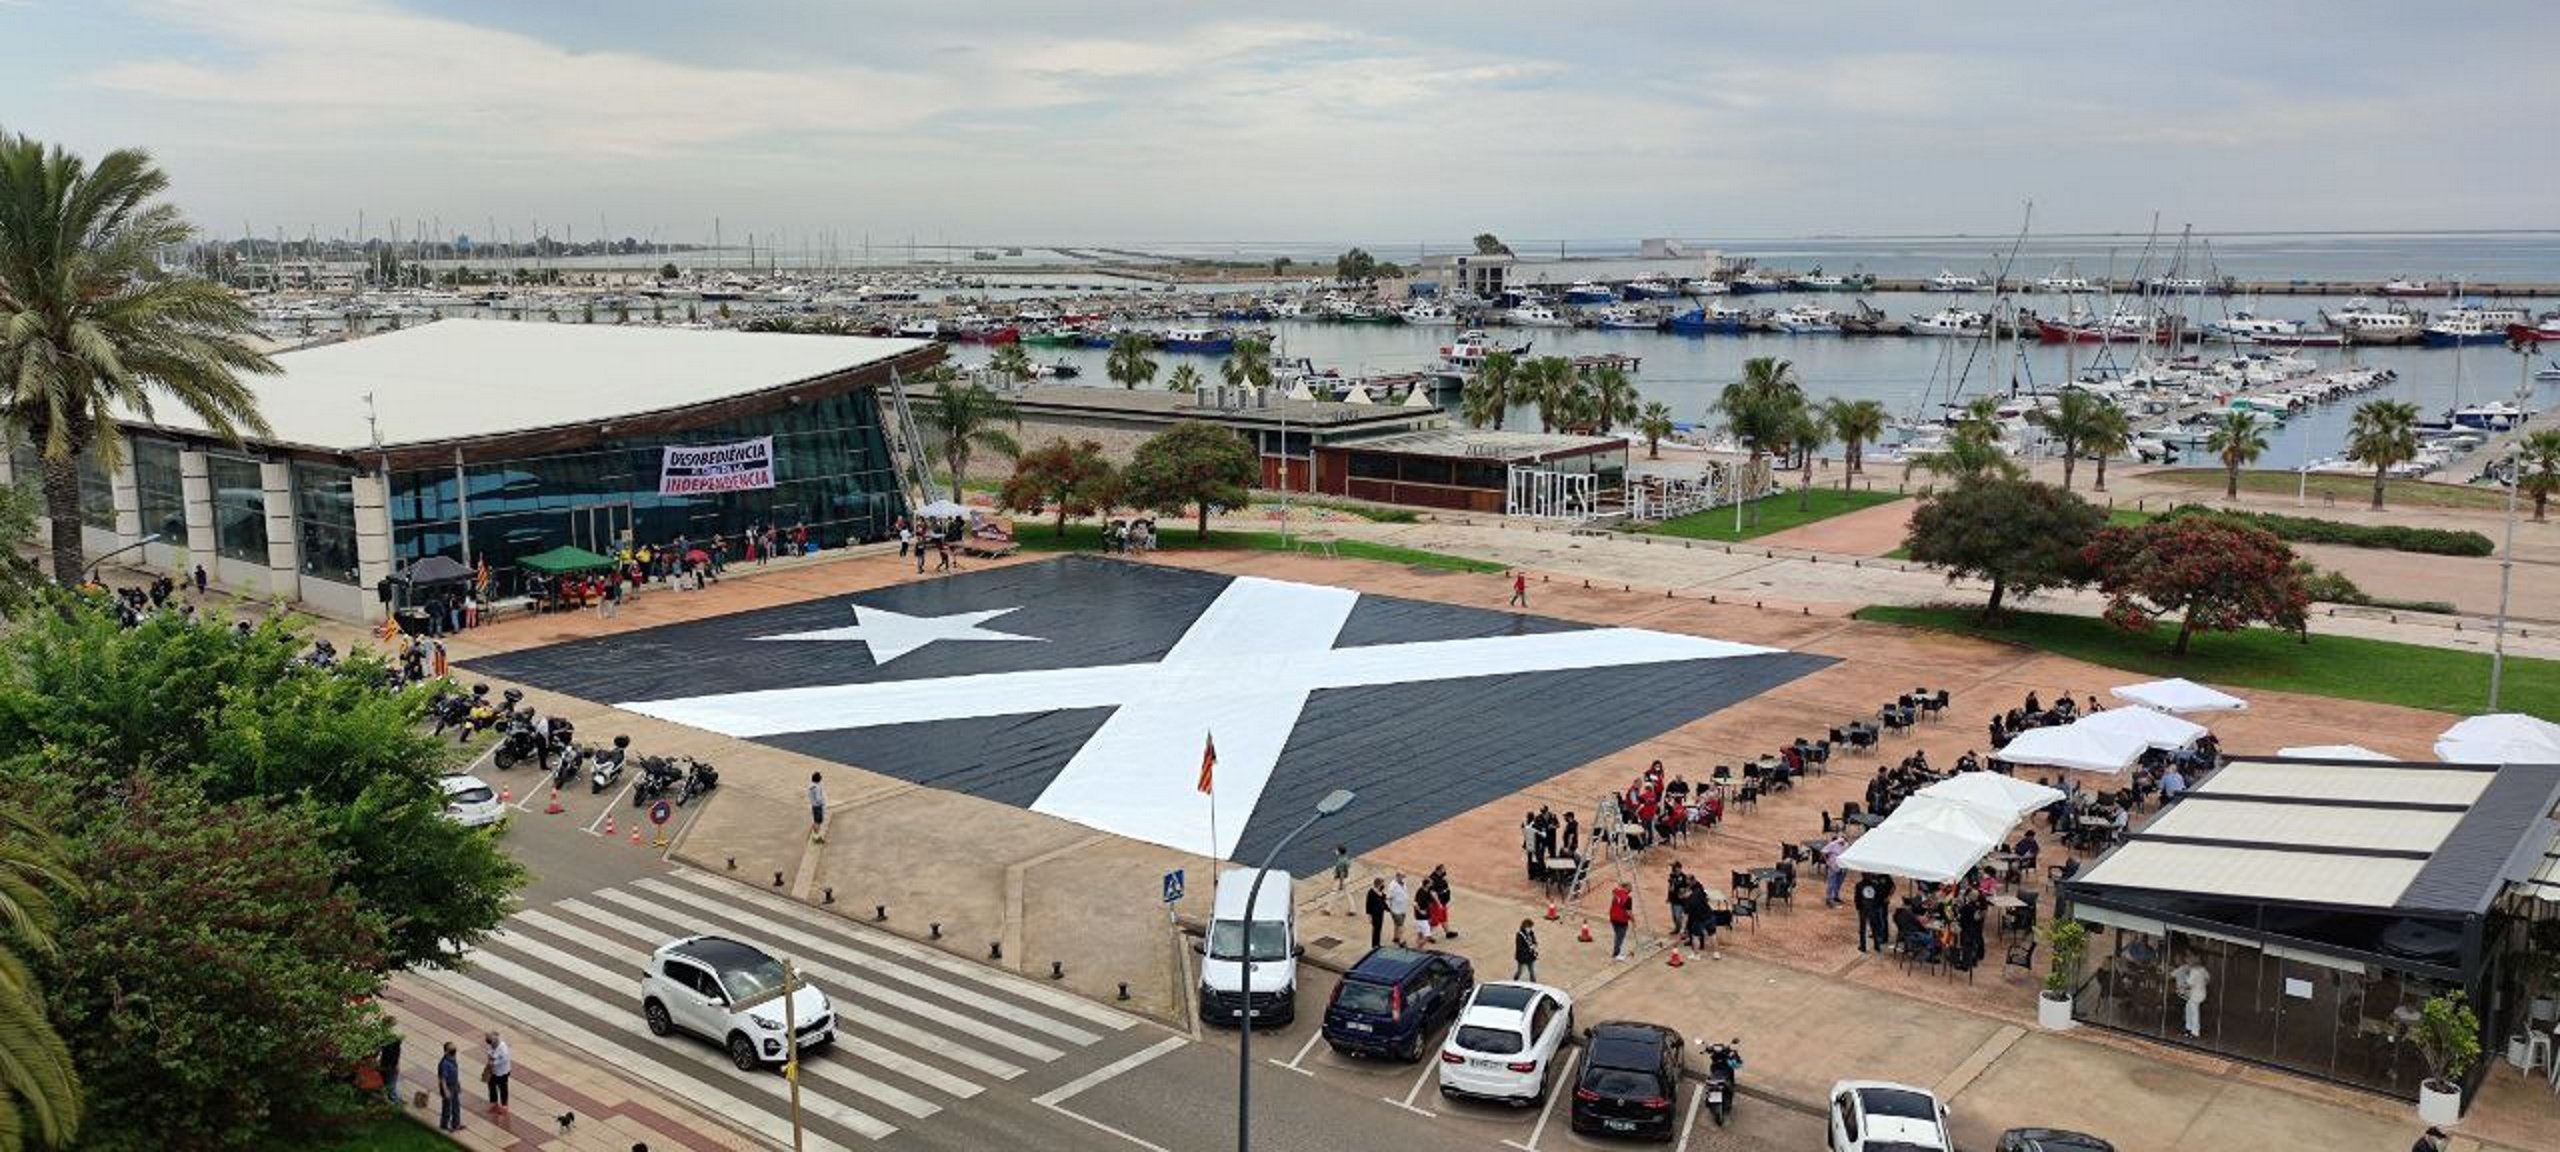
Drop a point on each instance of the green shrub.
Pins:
(2313, 530)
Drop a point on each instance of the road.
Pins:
(939, 1052)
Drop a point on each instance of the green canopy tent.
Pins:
(565, 558)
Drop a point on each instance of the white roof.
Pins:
(2500, 738)
(463, 379)
(2179, 694)
(2071, 746)
(2257, 873)
(1994, 791)
(2360, 785)
(2157, 729)
(1918, 853)
(2308, 825)
(2331, 752)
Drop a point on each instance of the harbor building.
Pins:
(486, 441)
(1489, 276)
(1498, 472)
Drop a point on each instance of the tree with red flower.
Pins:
(2215, 575)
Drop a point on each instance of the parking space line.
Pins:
(1303, 1049)
(628, 782)
(1100, 1126)
(1107, 1071)
(1695, 1095)
(1429, 1069)
(1555, 1092)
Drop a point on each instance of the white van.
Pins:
(1272, 927)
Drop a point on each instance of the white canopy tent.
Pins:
(943, 510)
(2500, 738)
(2181, 695)
(2157, 729)
(1916, 852)
(2071, 746)
(1938, 813)
(1993, 792)
(2331, 752)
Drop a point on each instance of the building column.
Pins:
(195, 488)
(284, 552)
(127, 487)
(373, 542)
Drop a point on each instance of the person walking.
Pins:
(198, 574)
(1524, 951)
(387, 1062)
(1677, 896)
(449, 1090)
(1870, 904)
(502, 1064)
(817, 810)
(1622, 911)
(1341, 881)
(1440, 894)
(906, 536)
(1399, 905)
(1832, 872)
(1376, 905)
(1426, 908)
(1519, 589)
(1702, 921)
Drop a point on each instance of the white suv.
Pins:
(731, 994)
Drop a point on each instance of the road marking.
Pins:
(1065, 1002)
(1099, 1125)
(1107, 1071)
(1555, 1092)
(1303, 1049)
(1695, 1095)
(1430, 1068)
(1013, 1013)
(861, 987)
(768, 1124)
(628, 781)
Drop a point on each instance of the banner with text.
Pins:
(717, 467)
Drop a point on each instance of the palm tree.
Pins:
(1757, 408)
(35, 1066)
(2538, 468)
(1185, 379)
(2237, 440)
(1806, 431)
(1130, 365)
(965, 414)
(1613, 398)
(2107, 436)
(1011, 363)
(1653, 424)
(1972, 449)
(1248, 364)
(2384, 433)
(90, 326)
(1548, 383)
(1488, 394)
(2069, 422)
(1856, 424)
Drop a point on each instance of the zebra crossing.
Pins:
(921, 1033)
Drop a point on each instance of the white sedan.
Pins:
(1874, 1116)
(1506, 1042)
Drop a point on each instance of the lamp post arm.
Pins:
(1244, 1033)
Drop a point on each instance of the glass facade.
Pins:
(239, 508)
(324, 513)
(832, 473)
(159, 489)
(97, 494)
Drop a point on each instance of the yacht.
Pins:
(2494, 416)
(2370, 325)
(921, 328)
(1946, 281)
(2120, 327)
(2065, 285)
(1536, 316)
(1704, 288)
(2175, 284)
(2249, 326)
(1949, 322)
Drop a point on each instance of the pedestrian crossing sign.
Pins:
(1173, 886)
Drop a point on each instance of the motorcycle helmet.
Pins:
(511, 696)
(622, 742)
(479, 689)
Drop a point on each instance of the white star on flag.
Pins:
(889, 635)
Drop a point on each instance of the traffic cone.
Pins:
(608, 824)
(506, 795)
(635, 833)
(1551, 911)
(1586, 932)
(554, 808)
(1676, 961)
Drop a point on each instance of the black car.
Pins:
(2051, 1140)
(1629, 1082)
(1395, 1000)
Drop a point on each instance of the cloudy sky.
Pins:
(1103, 121)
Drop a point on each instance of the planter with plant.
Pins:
(2447, 1036)
(2067, 942)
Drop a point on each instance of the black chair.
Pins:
(1745, 908)
(1782, 891)
(1748, 797)
(1849, 811)
(1722, 772)
(1818, 757)
(1828, 827)
(2022, 919)
(2021, 956)
(1838, 737)
(1789, 852)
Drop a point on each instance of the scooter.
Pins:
(1724, 1068)
(608, 765)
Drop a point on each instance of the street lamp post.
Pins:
(2515, 483)
(101, 561)
(1334, 801)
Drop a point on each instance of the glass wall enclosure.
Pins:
(2325, 1011)
(160, 489)
(832, 474)
(239, 508)
(97, 493)
(324, 512)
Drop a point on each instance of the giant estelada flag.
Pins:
(1086, 688)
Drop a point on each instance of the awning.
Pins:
(2157, 729)
(433, 570)
(1994, 791)
(2331, 752)
(565, 558)
(2071, 746)
(943, 510)
(2181, 695)
(1915, 853)
(2500, 738)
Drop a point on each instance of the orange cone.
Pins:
(608, 824)
(635, 833)
(1586, 932)
(1676, 961)
(1551, 911)
(506, 795)
(554, 808)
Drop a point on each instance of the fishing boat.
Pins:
(2365, 324)
(1805, 319)
(2249, 326)
(1946, 281)
(1648, 288)
(1589, 292)
(2471, 325)
(1704, 287)
(1053, 337)
(1746, 283)
(920, 328)
(1817, 281)
(1624, 318)
(1949, 322)
(1198, 341)
(1425, 312)
(2403, 286)
(1713, 319)
(2540, 331)
(1472, 346)
(1535, 316)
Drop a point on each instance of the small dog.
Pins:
(568, 1120)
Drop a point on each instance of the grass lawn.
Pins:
(2347, 667)
(1775, 514)
(389, 1134)
(1039, 536)
(2349, 491)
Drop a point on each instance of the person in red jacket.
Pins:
(1622, 910)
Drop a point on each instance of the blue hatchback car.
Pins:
(1395, 1000)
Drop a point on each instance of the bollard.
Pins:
(733, 863)
(934, 930)
(995, 950)
(1586, 583)
(1625, 588)
(1857, 564)
(1808, 609)
(1124, 990)
(1711, 597)
(777, 878)
(828, 896)
(879, 913)
(1757, 606)
(1057, 969)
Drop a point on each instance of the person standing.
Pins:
(1399, 905)
(1524, 951)
(1440, 894)
(921, 542)
(1870, 904)
(1341, 881)
(502, 1064)
(387, 1062)
(1702, 921)
(817, 810)
(906, 536)
(1426, 910)
(1832, 872)
(2191, 980)
(449, 1090)
(1532, 839)
(198, 574)
(1622, 911)
(1519, 589)
(1572, 834)
(1677, 897)
(1376, 905)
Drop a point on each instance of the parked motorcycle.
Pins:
(1724, 1068)
(452, 710)
(608, 765)
(698, 783)
(571, 761)
(659, 776)
(522, 741)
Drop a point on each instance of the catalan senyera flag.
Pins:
(1209, 764)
